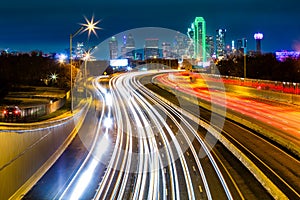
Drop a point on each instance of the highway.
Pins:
(276, 162)
(156, 158)
(134, 145)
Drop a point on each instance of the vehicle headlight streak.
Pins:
(108, 177)
(130, 110)
(155, 115)
(204, 146)
(140, 183)
(85, 177)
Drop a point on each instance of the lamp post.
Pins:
(71, 71)
(90, 26)
(87, 57)
(245, 56)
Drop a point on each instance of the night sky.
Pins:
(46, 25)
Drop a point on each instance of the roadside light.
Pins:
(91, 27)
(62, 58)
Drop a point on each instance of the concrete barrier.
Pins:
(28, 152)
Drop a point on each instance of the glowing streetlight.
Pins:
(54, 76)
(90, 26)
(62, 58)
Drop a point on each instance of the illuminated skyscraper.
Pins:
(151, 49)
(79, 50)
(199, 38)
(245, 45)
(242, 46)
(210, 45)
(181, 46)
(166, 50)
(113, 48)
(220, 42)
(258, 37)
(128, 47)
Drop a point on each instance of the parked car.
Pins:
(11, 112)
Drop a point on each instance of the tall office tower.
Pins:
(244, 45)
(79, 50)
(181, 44)
(199, 38)
(258, 37)
(232, 45)
(210, 45)
(166, 50)
(241, 46)
(190, 34)
(128, 47)
(220, 42)
(113, 48)
(151, 49)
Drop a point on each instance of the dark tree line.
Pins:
(32, 69)
(264, 66)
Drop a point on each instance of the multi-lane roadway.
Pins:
(134, 144)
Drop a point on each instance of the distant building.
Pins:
(241, 46)
(151, 49)
(113, 48)
(198, 31)
(232, 45)
(166, 50)
(159, 63)
(79, 51)
(139, 54)
(128, 47)
(283, 55)
(210, 46)
(220, 43)
(258, 37)
(181, 47)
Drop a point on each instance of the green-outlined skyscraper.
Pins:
(199, 38)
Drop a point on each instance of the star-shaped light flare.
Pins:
(90, 26)
(88, 56)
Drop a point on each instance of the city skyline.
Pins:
(46, 26)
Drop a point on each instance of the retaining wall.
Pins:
(27, 152)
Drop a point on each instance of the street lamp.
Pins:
(87, 57)
(90, 26)
(245, 56)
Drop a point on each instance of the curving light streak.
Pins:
(83, 178)
(204, 146)
(130, 109)
(139, 189)
(105, 184)
(186, 172)
(146, 105)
